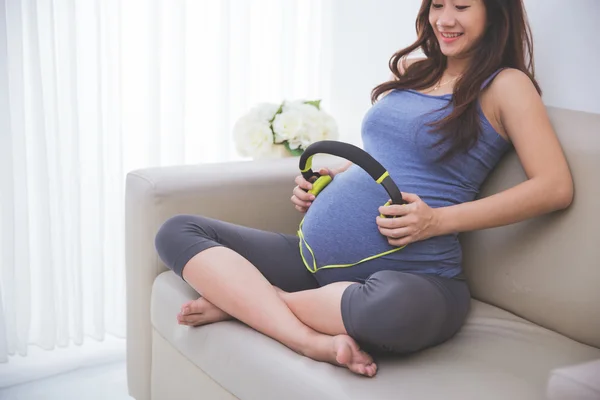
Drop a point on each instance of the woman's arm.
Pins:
(549, 186)
(342, 168)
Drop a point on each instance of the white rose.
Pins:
(253, 137)
(304, 116)
(264, 111)
(316, 125)
(300, 106)
(288, 125)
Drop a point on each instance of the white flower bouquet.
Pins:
(271, 130)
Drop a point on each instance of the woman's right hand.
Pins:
(301, 198)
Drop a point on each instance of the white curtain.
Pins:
(91, 89)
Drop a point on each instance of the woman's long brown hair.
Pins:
(506, 43)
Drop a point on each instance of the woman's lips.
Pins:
(449, 37)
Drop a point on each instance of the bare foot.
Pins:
(349, 355)
(343, 351)
(200, 312)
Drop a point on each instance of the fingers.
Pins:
(401, 242)
(303, 183)
(325, 171)
(398, 236)
(302, 195)
(398, 231)
(301, 199)
(410, 197)
(297, 199)
(396, 210)
(395, 234)
(394, 223)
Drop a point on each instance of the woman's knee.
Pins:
(177, 234)
(395, 311)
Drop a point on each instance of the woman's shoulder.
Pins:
(508, 89)
(512, 77)
(508, 85)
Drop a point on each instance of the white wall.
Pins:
(366, 34)
(567, 51)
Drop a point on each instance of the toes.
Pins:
(191, 320)
(348, 354)
(366, 358)
(364, 369)
(186, 308)
(199, 306)
(361, 369)
(371, 369)
(181, 319)
(196, 306)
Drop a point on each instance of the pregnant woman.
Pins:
(439, 126)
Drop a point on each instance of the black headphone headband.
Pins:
(358, 156)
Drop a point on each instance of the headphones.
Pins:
(354, 154)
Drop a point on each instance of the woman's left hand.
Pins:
(415, 221)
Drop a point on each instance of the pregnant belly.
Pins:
(340, 226)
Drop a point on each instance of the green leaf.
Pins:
(316, 103)
(279, 111)
(294, 152)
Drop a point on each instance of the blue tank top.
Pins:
(340, 226)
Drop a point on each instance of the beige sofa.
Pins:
(533, 333)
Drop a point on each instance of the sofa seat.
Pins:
(496, 355)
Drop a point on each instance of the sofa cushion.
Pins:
(495, 356)
(545, 269)
(575, 382)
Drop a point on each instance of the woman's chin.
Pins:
(453, 53)
(450, 54)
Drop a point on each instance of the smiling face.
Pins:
(457, 24)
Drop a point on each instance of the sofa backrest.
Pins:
(547, 269)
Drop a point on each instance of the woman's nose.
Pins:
(446, 19)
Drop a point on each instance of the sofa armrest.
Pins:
(254, 194)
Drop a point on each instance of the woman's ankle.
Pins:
(315, 345)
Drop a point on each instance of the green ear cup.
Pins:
(320, 184)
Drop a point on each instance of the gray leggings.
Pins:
(392, 311)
